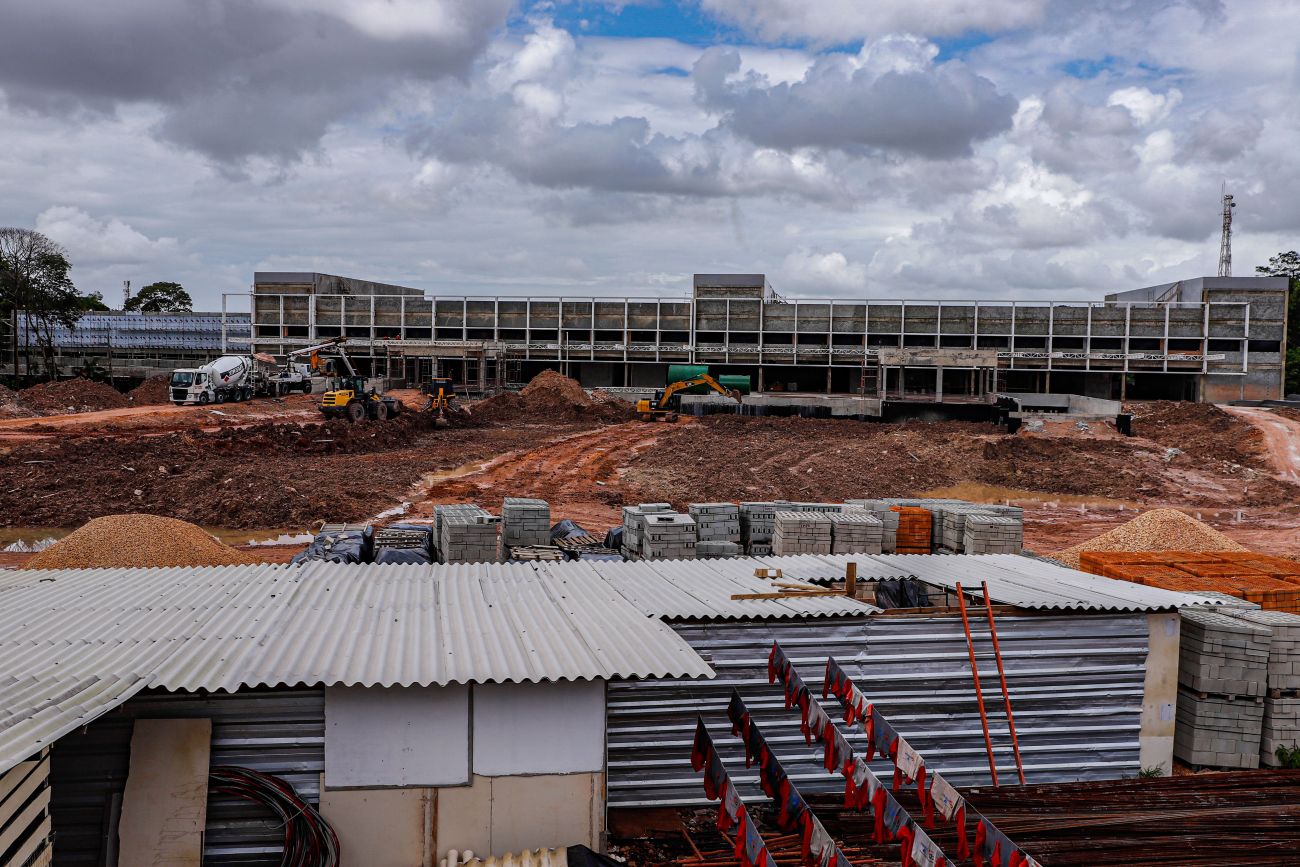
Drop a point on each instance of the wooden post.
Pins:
(851, 581)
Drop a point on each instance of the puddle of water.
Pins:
(453, 473)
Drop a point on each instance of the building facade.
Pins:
(1211, 339)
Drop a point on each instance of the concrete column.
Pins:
(828, 379)
(938, 384)
(760, 379)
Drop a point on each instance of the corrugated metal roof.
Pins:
(702, 590)
(1013, 579)
(76, 643)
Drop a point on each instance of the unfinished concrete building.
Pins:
(1210, 339)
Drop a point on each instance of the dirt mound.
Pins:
(551, 396)
(11, 405)
(1156, 530)
(71, 395)
(124, 541)
(555, 388)
(153, 391)
(1201, 430)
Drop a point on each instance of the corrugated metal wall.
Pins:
(25, 813)
(1076, 684)
(280, 732)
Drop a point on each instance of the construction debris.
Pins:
(125, 541)
(154, 391)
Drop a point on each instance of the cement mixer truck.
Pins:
(229, 378)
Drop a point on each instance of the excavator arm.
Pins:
(662, 404)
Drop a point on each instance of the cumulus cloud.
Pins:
(236, 78)
(891, 97)
(824, 272)
(93, 241)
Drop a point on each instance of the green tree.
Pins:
(92, 303)
(163, 297)
(1288, 265)
(35, 289)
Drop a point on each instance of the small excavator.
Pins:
(667, 402)
(442, 397)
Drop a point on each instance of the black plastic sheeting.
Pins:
(901, 593)
(348, 546)
(567, 529)
(614, 538)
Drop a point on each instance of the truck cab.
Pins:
(189, 385)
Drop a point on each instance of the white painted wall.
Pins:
(538, 728)
(397, 736)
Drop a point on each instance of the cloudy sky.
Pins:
(882, 148)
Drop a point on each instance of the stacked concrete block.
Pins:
(442, 511)
(716, 522)
(1218, 731)
(634, 523)
(1220, 653)
(801, 533)
(469, 538)
(525, 522)
(856, 532)
(1283, 648)
(757, 523)
(954, 525)
(668, 536)
(1281, 728)
(992, 534)
(712, 549)
(824, 508)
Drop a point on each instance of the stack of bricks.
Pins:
(468, 538)
(716, 522)
(953, 532)
(1281, 726)
(1222, 676)
(914, 530)
(525, 522)
(634, 524)
(668, 536)
(993, 534)
(757, 523)
(856, 532)
(801, 533)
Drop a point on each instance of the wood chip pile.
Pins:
(1156, 530)
(126, 541)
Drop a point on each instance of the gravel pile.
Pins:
(124, 541)
(1156, 530)
(71, 395)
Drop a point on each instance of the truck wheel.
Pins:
(395, 408)
(221, 395)
(203, 399)
(381, 411)
(356, 411)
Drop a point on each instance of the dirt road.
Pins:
(1282, 435)
(579, 475)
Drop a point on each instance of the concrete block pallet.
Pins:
(1221, 653)
(992, 534)
(801, 533)
(634, 523)
(1281, 727)
(712, 549)
(756, 525)
(1218, 731)
(668, 536)
(469, 538)
(441, 512)
(525, 522)
(716, 522)
(856, 533)
(953, 534)
(1283, 648)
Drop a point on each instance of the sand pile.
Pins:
(152, 392)
(123, 541)
(1156, 530)
(71, 395)
(551, 388)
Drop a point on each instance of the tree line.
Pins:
(37, 296)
